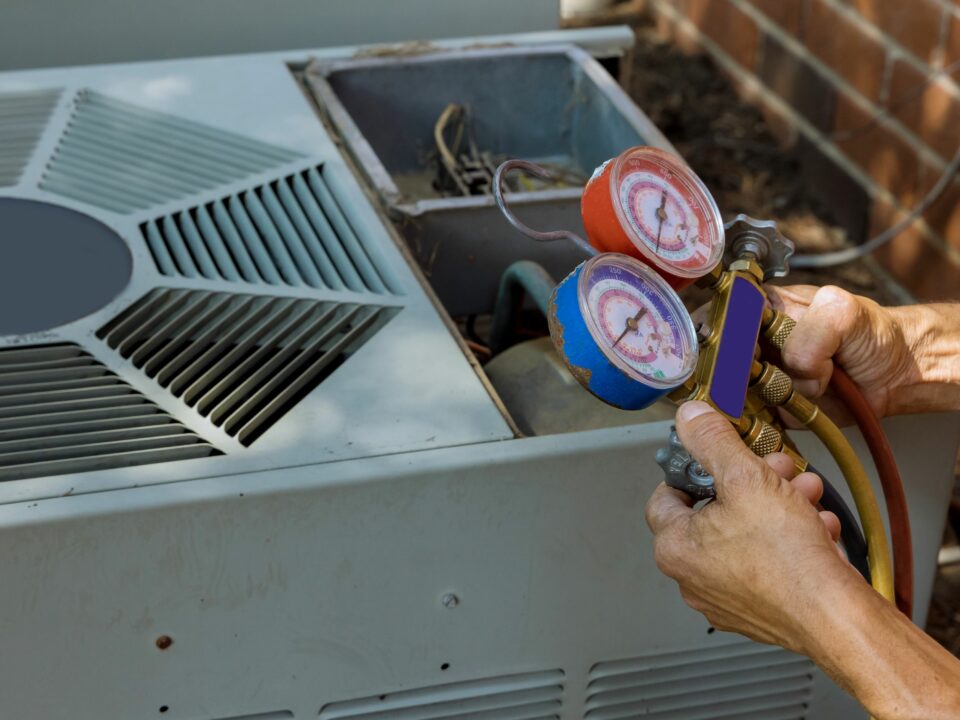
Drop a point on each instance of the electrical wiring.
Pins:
(850, 254)
(895, 498)
(846, 255)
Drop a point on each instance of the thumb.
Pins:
(714, 443)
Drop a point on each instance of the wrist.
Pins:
(930, 377)
(880, 657)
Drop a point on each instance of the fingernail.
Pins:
(693, 409)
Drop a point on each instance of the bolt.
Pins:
(164, 641)
(450, 600)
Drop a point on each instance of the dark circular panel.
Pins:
(56, 265)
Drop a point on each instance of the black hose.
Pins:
(850, 533)
(523, 277)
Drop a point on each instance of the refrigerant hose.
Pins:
(897, 511)
(878, 553)
(777, 328)
(851, 536)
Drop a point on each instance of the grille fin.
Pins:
(241, 360)
(62, 411)
(122, 157)
(742, 680)
(528, 696)
(289, 232)
(23, 118)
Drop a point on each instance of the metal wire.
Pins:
(840, 257)
(548, 236)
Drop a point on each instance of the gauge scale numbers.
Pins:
(636, 324)
(669, 222)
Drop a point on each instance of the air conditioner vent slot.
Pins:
(291, 232)
(240, 360)
(61, 411)
(744, 681)
(123, 157)
(23, 117)
(527, 696)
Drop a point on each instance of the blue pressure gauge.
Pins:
(622, 331)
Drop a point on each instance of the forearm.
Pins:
(895, 670)
(932, 333)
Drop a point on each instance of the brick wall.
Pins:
(821, 71)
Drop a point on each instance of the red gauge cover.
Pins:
(648, 204)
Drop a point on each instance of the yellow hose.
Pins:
(878, 550)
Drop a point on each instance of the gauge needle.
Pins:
(661, 216)
(632, 323)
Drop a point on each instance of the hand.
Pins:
(867, 340)
(756, 560)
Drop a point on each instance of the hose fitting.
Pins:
(773, 385)
(777, 327)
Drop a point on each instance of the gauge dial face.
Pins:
(668, 212)
(637, 320)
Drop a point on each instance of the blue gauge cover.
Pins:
(585, 360)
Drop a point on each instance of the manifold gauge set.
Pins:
(617, 320)
(624, 333)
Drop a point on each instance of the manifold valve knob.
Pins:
(763, 240)
(682, 471)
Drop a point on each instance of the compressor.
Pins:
(626, 336)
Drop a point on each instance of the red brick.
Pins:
(724, 23)
(793, 77)
(914, 261)
(879, 151)
(788, 14)
(952, 48)
(943, 216)
(931, 111)
(838, 41)
(915, 24)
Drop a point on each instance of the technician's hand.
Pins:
(869, 341)
(758, 558)
(759, 561)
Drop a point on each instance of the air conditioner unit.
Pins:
(249, 471)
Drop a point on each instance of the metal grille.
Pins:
(61, 411)
(23, 117)
(528, 696)
(241, 360)
(745, 681)
(122, 157)
(291, 231)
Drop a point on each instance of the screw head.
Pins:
(450, 600)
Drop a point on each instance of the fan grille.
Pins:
(61, 411)
(291, 231)
(241, 360)
(23, 117)
(527, 696)
(745, 681)
(122, 157)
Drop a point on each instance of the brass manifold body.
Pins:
(769, 386)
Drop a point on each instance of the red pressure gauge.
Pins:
(647, 203)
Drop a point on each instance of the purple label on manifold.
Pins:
(728, 388)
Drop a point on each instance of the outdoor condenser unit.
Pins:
(249, 471)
